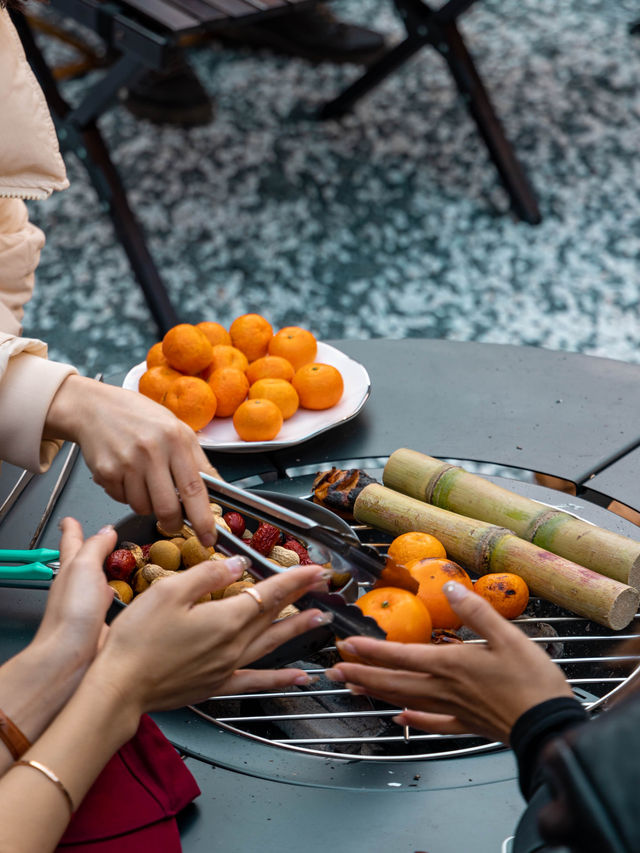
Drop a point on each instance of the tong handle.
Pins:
(28, 572)
(33, 555)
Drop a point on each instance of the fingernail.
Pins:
(108, 528)
(324, 575)
(334, 675)
(345, 646)
(208, 540)
(305, 680)
(323, 619)
(399, 720)
(237, 565)
(455, 591)
(355, 689)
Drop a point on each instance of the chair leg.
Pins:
(79, 133)
(108, 184)
(473, 91)
(374, 75)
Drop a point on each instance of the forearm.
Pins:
(34, 686)
(93, 725)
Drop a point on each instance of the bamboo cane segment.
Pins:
(453, 488)
(483, 547)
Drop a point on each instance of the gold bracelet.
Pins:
(51, 776)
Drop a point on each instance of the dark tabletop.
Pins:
(563, 414)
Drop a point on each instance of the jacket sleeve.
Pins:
(20, 247)
(28, 384)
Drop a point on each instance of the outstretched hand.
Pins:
(167, 650)
(457, 688)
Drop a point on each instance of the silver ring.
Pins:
(253, 592)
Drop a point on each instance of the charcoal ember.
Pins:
(335, 726)
(554, 647)
(338, 489)
(442, 636)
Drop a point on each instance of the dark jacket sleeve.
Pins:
(534, 729)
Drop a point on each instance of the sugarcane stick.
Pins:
(453, 488)
(482, 547)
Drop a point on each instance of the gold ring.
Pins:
(253, 592)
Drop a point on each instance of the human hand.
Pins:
(79, 596)
(37, 683)
(165, 651)
(457, 688)
(137, 450)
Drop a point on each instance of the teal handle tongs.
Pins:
(37, 564)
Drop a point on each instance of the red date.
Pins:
(120, 565)
(301, 551)
(235, 522)
(265, 537)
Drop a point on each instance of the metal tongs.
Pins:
(324, 544)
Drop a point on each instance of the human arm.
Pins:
(137, 450)
(161, 652)
(37, 682)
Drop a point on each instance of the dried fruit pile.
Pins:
(132, 567)
(249, 373)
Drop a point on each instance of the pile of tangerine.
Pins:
(249, 373)
(408, 601)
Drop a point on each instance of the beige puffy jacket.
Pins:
(30, 168)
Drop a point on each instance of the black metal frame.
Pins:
(78, 132)
(438, 28)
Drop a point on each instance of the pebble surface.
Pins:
(390, 222)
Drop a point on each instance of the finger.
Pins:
(194, 495)
(419, 657)
(275, 593)
(164, 499)
(259, 680)
(136, 494)
(281, 631)
(476, 613)
(187, 587)
(441, 724)
(71, 540)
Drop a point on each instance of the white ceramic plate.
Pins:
(220, 434)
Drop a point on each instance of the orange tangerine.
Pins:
(414, 545)
(319, 386)
(191, 400)
(156, 381)
(186, 349)
(297, 345)
(215, 333)
(270, 367)
(230, 386)
(398, 612)
(257, 420)
(280, 392)
(251, 333)
(507, 593)
(432, 574)
(155, 356)
(225, 356)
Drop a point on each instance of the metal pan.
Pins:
(142, 529)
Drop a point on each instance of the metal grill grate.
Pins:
(328, 721)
